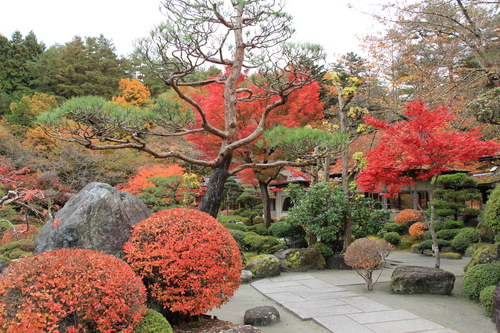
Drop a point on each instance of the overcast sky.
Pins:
(327, 22)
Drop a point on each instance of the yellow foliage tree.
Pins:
(133, 93)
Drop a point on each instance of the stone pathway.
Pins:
(338, 309)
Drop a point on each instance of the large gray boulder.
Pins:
(99, 218)
(301, 260)
(422, 280)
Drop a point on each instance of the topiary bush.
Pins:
(153, 322)
(189, 262)
(239, 237)
(71, 290)
(235, 226)
(447, 234)
(283, 229)
(465, 238)
(259, 229)
(427, 245)
(258, 219)
(480, 276)
(486, 298)
(262, 244)
(408, 216)
(453, 224)
(393, 238)
(418, 229)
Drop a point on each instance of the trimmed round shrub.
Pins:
(447, 234)
(189, 262)
(235, 226)
(262, 244)
(246, 221)
(71, 290)
(239, 237)
(486, 298)
(418, 229)
(408, 216)
(283, 229)
(427, 244)
(393, 238)
(324, 249)
(153, 322)
(259, 229)
(480, 276)
(258, 219)
(465, 238)
(453, 224)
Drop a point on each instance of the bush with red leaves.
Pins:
(189, 262)
(366, 255)
(408, 216)
(417, 229)
(70, 290)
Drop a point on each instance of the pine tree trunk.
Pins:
(266, 203)
(211, 201)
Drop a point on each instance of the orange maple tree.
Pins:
(133, 93)
(138, 182)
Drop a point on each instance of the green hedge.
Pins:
(479, 277)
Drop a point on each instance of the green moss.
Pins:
(153, 322)
(293, 261)
(482, 254)
(451, 255)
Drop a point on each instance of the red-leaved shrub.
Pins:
(189, 261)
(408, 216)
(417, 229)
(70, 290)
(18, 232)
(366, 255)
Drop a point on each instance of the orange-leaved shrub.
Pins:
(71, 290)
(18, 232)
(408, 216)
(189, 262)
(417, 229)
(366, 255)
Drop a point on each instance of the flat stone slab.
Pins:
(340, 310)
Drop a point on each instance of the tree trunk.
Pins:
(211, 201)
(435, 246)
(266, 203)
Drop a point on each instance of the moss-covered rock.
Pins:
(483, 254)
(301, 260)
(264, 265)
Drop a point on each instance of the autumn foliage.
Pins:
(408, 216)
(138, 182)
(190, 263)
(417, 229)
(366, 255)
(70, 290)
(133, 93)
(18, 232)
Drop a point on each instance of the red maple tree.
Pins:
(422, 147)
(302, 107)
